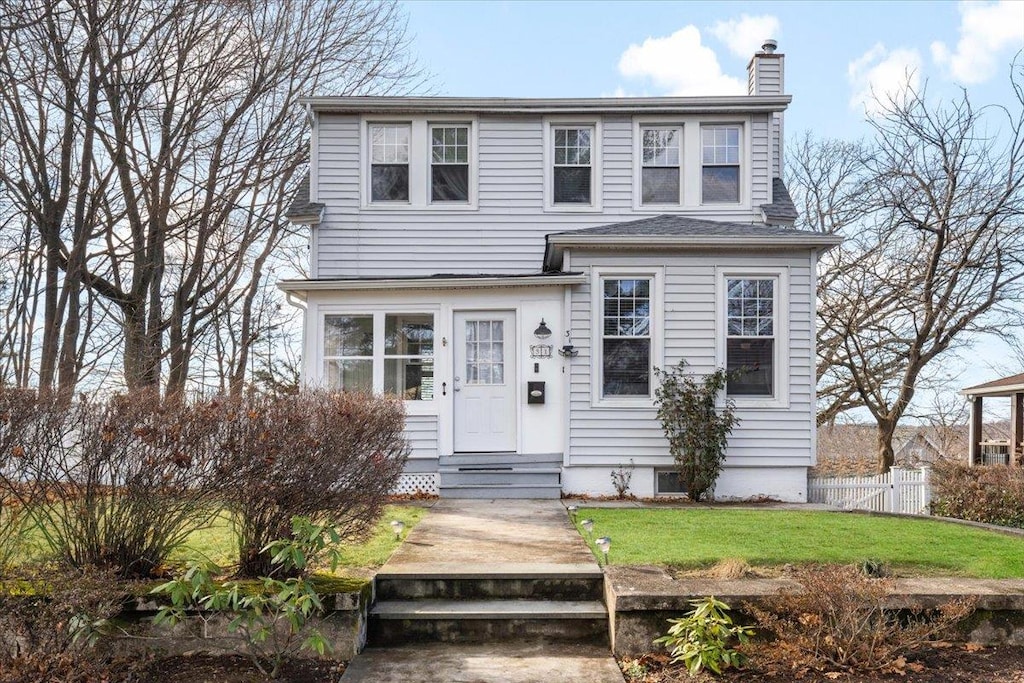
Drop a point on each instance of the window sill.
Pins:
(623, 404)
(406, 206)
(571, 208)
(760, 404)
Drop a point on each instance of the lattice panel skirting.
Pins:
(417, 483)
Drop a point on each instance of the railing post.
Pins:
(926, 490)
(896, 493)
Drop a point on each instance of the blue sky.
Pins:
(833, 50)
(836, 54)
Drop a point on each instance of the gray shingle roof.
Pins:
(671, 225)
(301, 206)
(781, 209)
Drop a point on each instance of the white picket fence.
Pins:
(901, 490)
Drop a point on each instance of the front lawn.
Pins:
(689, 538)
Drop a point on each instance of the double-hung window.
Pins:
(751, 334)
(659, 171)
(449, 163)
(572, 174)
(389, 162)
(390, 353)
(626, 339)
(720, 159)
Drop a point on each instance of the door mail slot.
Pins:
(535, 392)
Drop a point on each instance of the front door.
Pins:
(485, 382)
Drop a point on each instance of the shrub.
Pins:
(696, 429)
(115, 482)
(839, 620)
(703, 639)
(993, 494)
(272, 620)
(316, 454)
(622, 477)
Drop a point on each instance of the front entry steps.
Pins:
(500, 475)
(551, 604)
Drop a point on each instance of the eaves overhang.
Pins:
(301, 287)
(557, 243)
(505, 105)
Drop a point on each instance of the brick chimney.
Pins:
(766, 76)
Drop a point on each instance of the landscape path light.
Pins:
(573, 511)
(398, 526)
(588, 526)
(604, 544)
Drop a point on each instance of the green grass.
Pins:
(696, 538)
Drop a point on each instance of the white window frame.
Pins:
(640, 125)
(419, 164)
(370, 164)
(597, 169)
(741, 166)
(325, 359)
(598, 276)
(666, 494)
(471, 166)
(412, 407)
(781, 379)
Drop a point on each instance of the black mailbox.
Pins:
(535, 392)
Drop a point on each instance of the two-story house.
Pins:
(515, 269)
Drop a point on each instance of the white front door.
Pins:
(485, 382)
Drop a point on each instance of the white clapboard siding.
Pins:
(765, 437)
(505, 233)
(905, 491)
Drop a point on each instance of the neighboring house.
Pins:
(1003, 447)
(852, 449)
(517, 268)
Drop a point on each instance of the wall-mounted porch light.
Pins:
(542, 331)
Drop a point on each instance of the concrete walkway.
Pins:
(483, 539)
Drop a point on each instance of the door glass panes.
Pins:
(626, 331)
(408, 355)
(485, 352)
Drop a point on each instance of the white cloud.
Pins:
(746, 35)
(987, 31)
(880, 74)
(679, 65)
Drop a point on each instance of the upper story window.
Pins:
(449, 163)
(573, 168)
(720, 164)
(389, 162)
(626, 337)
(660, 164)
(751, 329)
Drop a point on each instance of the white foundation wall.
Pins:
(787, 484)
(540, 429)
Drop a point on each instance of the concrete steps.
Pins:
(500, 475)
(548, 604)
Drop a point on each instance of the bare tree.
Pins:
(934, 254)
(152, 145)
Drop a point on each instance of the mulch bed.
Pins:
(947, 663)
(234, 669)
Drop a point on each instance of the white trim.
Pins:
(683, 105)
(314, 158)
(596, 161)
(745, 170)
(813, 408)
(567, 326)
(781, 348)
(430, 283)
(657, 276)
(768, 240)
(472, 159)
(639, 124)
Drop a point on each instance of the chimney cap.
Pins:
(769, 46)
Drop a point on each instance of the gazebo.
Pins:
(995, 452)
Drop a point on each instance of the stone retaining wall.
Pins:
(641, 599)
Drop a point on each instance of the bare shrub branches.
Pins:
(330, 457)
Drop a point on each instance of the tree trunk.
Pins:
(886, 455)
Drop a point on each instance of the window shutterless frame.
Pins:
(661, 153)
(390, 146)
(721, 163)
(449, 158)
(753, 329)
(572, 164)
